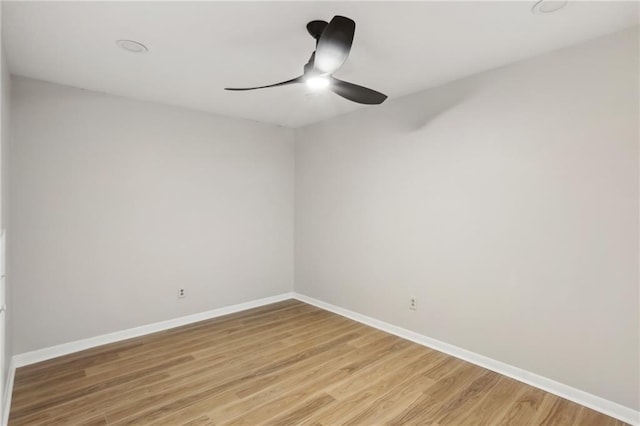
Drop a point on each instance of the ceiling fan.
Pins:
(333, 43)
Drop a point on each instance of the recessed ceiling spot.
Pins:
(132, 46)
(548, 6)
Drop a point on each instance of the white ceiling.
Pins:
(197, 48)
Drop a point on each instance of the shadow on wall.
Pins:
(421, 109)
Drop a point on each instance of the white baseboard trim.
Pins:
(8, 392)
(597, 403)
(602, 405)
(44, 354)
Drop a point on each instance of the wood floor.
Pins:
(288, 363)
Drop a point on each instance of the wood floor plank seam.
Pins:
(145, 364)
(156, 412)
(148, 390)
(321, 375)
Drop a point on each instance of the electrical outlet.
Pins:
(181, 293)
(413, 303)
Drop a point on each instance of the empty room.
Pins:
(320, 213)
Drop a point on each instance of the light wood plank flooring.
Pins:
(287, 363)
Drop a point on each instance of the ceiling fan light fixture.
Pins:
(333, 44)
(317, 83)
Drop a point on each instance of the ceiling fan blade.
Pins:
(355, 93)
(334, 44)
(308, 67)
(284, 83)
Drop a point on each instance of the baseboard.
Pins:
(39, 355)
(44, 354)
(597, 403)
(602, 405)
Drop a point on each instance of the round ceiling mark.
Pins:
(548, 6)
(132, 46)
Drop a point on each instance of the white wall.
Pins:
(507, 203)
(5, 327)
(118, 203)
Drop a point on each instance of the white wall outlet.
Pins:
(181, 293)
(413, 303)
